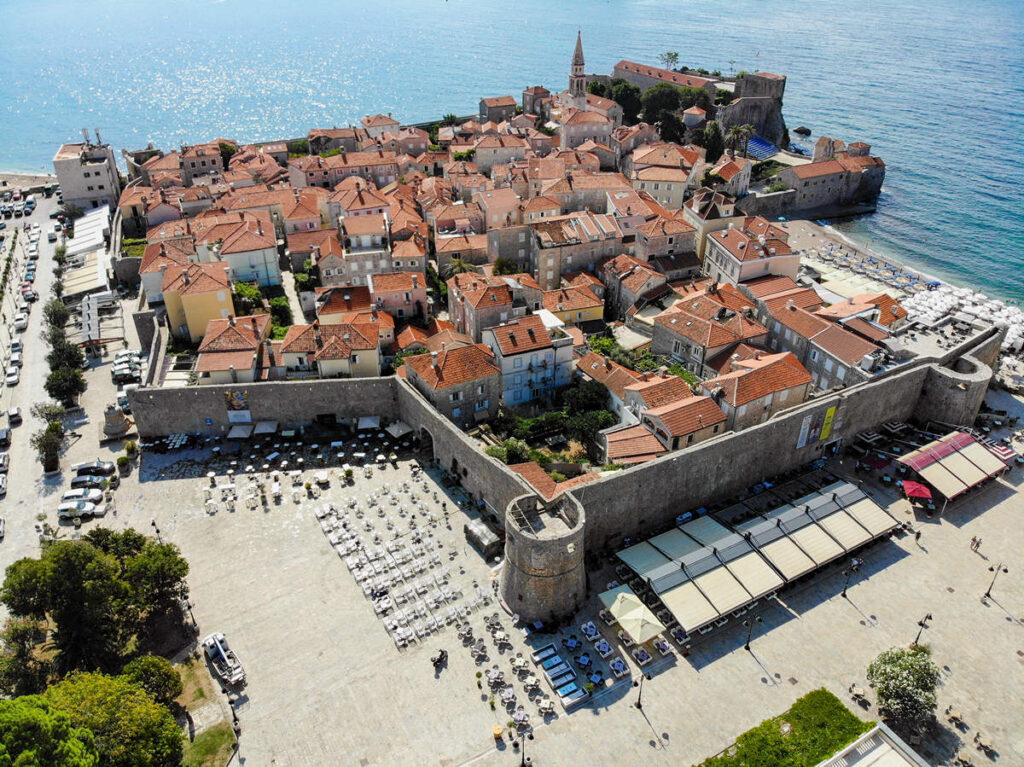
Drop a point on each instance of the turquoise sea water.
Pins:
(936, 87)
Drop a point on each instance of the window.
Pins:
(89, 188)
(828, 366)
(455, 396)
(518, 364)
(840, 372)
(522, 236)
(480, 389)
(742, 409)
(814, 355)
(355, 359)
(715, 430)
(483, 404)
(456, 412)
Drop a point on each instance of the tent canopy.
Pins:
(369, 422)
(398, 429)
(916, 490)
(240, 431)
(632, 614)
(265, 427)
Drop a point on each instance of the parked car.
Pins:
(13, 376)
(75, 509)
(3, 528)
(128, 355)
(30, 276)
(3, 484)
(14, 416)
(91, 495)
(90, 482)
(16, 345)
(16, 359)
(5, 462)
(128, 377)
(5, 438)
(20, 321)
(30, 295)
(95, 468)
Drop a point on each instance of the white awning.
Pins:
(643, 558)
(755, 575)
(398, 429)
(723, 590)
(872, 516)
(240, 431)
(817, 544)
(706, 530)
(369, 422)
(675, 543)
(788, 558)
(689, 606)
(265, 427)
(845, 529)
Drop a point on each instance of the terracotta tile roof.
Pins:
(489, 295)
(709, 321)
(343, 298)
(336, 341)
(800, 321)
(209, 362)
(661, 173)
(687, 416)
(769, 285)
(862, 327)
(454, 366)
(540, 203)
(728, 167)
(235, 333)
(256, 232)
(582, 280)
(411, 336)
(663, 227)
(578, 339)
(757, 378)
(889, 310)
(177, 251)
(169, 230)
(817, 169)
(378, 120)
(358, 199)
(460, 242)
(614, 376)
(805, 298)
(746, 247)
(395, 282)
(521, 335)
(193, 279)
(499, 101)
(844, 345)
(578, 117)
(490, 141)
(635, 444)
(665, 75)
(756, 225)
(659, 391)
(302, 242)
(570, 299)
(373, 224)
(447, 339)
(411, 248)
(541, 481)
(666, 155)
(721, 363)
(168, 162)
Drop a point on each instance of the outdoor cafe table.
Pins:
(583, 660)
(508, 695)
(596, 677)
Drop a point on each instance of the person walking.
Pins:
(974, 542)
(977, 545)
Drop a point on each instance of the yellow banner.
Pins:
(826, 427)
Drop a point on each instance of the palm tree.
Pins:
(747, 132)
(457, 265)
(734, 137)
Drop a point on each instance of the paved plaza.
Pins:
(328, 685)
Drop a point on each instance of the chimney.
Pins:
(790, 304)
(259, 227)
(234, 373)
(757, 355)
(185, 277)
(663, 372)
(607, 363)
(255, 329)
(316, 334)
(645, 376)
(163, 252)
(433, 360)
(270, 354)
(231, 320)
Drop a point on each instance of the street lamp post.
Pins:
(231, 704)
(523, 761)
(157, 531)
(640, 692)
(923, 624)
(750, 630)
(996, 569)
(846, 574)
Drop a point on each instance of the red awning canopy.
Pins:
(916, 490)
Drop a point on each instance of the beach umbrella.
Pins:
(916, 490)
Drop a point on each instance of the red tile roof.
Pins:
(542, 482)
(665, 75)
(175, 251)
(235, 333)
(659, 391)
(758, 378)
(687, 416)
(570, 299)
(373, 224)
(454, 366)
(614, 376)
(635, 444)
(336, 341)
(395, 282)
(343, 298)
(193, 279)
(521, 335)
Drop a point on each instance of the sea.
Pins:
(936, 87)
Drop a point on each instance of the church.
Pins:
(579, 116)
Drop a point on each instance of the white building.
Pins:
(87, 174)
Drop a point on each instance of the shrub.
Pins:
(557, 476)
(777, 187)
(246, 297)
(123, 461)
(281, 310)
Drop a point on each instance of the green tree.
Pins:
(456, 265)
(156, 577)
(227, 151)
(33, 733)
(467, 155)
(588, 395)
(747, 132)
(57, 289)
(49, 412)
(156, 676)
(22, 671)
(516, 451)
(131, 729)
(56, 313)
(64, 385)
(47, 443)
(671, 127)
(450, 119)
(714, 142)
(662, 98)
(669, 59)
(54, 335)
(65, 355)
(503, 265)
(597, 88)
(905, 681)
(627, 96)
(694, 97)
(281, 311)
(585, 426)
(299, 146)
(246, 297)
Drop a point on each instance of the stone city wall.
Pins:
(769, 205)
(637, 502)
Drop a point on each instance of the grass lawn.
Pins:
(211, 748)
(815, 727)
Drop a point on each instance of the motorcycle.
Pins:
(440, 659)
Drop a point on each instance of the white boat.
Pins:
(223, 659)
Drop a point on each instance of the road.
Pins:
(29, 493)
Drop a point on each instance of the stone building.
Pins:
(754, 389)
(87, 174)
(534, 360)
(843, 181)
(462, 383)
(756, 248)
(497, 109)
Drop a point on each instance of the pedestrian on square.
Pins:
(974, 542)
(977, 545)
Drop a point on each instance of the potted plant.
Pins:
(131, 448)
(491, 701)
(123, 463)
(479, 684)
(348, 475)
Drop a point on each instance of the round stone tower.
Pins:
(543, 576)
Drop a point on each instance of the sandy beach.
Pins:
(25, 180)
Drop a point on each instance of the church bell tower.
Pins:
(577, 79)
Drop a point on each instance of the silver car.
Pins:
(82, 494)
(76, 509)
